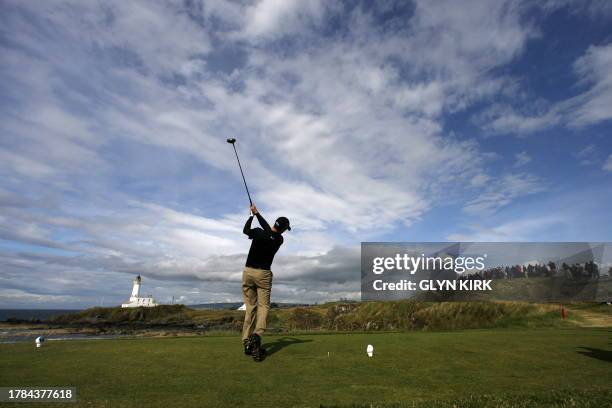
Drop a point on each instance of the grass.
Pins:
(557, 399)
(534, 289)
(363, 316)
(552, 367)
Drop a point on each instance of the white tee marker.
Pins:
(370, 350)
(39, 341)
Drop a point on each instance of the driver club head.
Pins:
(231, 140)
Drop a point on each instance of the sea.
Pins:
(28, 334)
(33, 314)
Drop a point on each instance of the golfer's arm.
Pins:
(247, 226)
(264, 224)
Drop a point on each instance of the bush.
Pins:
(304, 319)
(117, 315)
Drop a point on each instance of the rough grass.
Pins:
(163, 316)
(408, 315)
(159, 314)
(554, 367)
(363, 316)
(534, 289)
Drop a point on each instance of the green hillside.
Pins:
(355, 316)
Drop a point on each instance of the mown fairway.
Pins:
(407, 367)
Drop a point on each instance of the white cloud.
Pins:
(501, 118)
(521, 159)
(500, 192)
(150, 35)
(588, 155)
(589, 107)
(573, 215)
(268, 19)
(343, 134)
(608, 164)
(25, 166)
(593, 68)
(516, 230)
(596, 9)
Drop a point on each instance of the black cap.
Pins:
(282, 223)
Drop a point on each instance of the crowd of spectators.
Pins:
(575, 271)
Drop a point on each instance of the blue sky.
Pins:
(389, 121)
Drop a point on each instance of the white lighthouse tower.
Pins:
(139, 301)
(136, 287)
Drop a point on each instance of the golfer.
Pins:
(257, 279)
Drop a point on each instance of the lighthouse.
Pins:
(136, 287)
(136, 300)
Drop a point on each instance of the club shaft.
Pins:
(242, 173)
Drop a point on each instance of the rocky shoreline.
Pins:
(27, 331)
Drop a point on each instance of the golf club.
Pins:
(232, 141)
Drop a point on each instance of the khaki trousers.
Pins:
(256, 287)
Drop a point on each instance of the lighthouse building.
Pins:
(139, 301)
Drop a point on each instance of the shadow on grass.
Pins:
(281, 343)
(599, 354)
